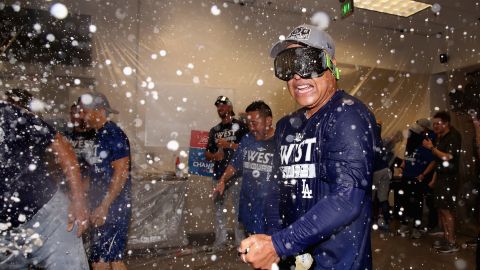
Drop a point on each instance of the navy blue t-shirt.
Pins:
(25, 183)
(110, 144)
(324, 166)
(417, 161)
(231, 132)
(254, 159)
(83, 144)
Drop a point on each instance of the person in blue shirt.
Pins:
(417, 170)
(254, 160)
(109, 193)
(36, 216)
(82, 140)
(324, 163)
(223, 140)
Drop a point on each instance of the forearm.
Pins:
(114, 190)
(229, 172)
(119, 178)
(441, 155)
(429, 168)
(67, 160)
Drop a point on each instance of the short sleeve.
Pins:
(119, 145)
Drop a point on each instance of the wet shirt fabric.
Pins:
(231, 132)
(419, 157)
(25, 185)
(254, 160)
(325, 167)
(82, 142)
(449, 143)
(109, 240)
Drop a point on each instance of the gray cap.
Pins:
(95, 101)
(223, 100)
(424, 123)
(307, 35)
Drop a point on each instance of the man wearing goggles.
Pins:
(323, 163)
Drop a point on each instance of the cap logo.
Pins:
(300, 33)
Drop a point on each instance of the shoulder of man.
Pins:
(115, 131)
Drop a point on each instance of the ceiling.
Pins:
(366, 38)
(376, 39)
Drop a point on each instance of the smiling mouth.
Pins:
(304, 88)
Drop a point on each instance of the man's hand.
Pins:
(258, 251)
(222, 143)
(219, 155)
(220, 188)
(99, 215)
(77, 214)
(427, 143)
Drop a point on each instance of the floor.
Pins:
(390, 251)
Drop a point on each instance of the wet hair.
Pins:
(443, 115)
(261, 107)
(19, 97)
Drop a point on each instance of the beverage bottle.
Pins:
(178, 171)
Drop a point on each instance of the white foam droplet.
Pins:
(436, 7)
(37, 105)
(127, 71)
(173, 145)
(86, 99)
(59, 11)
(103, 154)
(22, 218)
(215, 10)
(50, 37)
(32, 167)
(321, 20)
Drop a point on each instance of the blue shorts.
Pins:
(109, 241)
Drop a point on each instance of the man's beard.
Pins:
(224, 115)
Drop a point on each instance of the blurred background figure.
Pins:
(36, 217)
(381, 183)
(446, 151)
(417, 170)
(223, 140)
(254, 160)
(109, 193)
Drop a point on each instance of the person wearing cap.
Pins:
(417, 171)
(446, 152)
(223, 140)
(82, 140)
(323, 163)
(37, 218)
(109, 193)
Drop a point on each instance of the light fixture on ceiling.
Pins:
(404, 8)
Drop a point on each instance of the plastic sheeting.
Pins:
(157, 214)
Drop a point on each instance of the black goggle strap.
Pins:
(329, 64)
